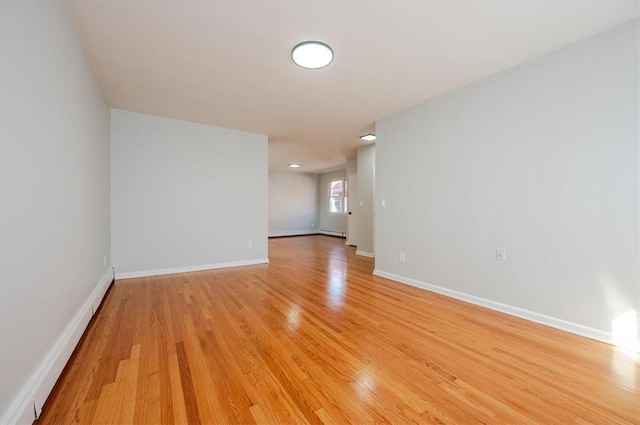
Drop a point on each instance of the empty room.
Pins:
(319, 212)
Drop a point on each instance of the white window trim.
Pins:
(344, 197)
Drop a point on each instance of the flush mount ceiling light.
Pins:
(294, 165)
(368, 137)
(312, 54)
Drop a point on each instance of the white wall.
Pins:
(330, 223)
(185, 196)
(55, 201)
(352, 165)
(365, 209)
(541, 160)
(293, 203)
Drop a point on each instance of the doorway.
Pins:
(352, 200)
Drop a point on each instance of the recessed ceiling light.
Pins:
(312, 54)
(368, 137)
(294, 165)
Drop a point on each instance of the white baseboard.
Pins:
(293, 233)
(553, 322)
(364, 253)
(28, 404)
(147, 273)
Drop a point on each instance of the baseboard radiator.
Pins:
(330, 232)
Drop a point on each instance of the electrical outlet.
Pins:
(104, 261)
(361, 204)
(313, 225)
(250, 244)
(402, 257)
(383, 202)
(501, 254)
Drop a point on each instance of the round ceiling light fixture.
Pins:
(294, 165)
(368, 137)
(312, 54)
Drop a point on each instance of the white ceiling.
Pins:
(228, 63)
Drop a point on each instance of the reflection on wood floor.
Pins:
(313, 337)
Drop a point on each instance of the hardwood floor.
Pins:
(314, 338)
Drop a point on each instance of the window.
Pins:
(338, 196)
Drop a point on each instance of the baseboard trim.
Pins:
(532, 316)
(159, 272)
(293, 233)
(364, 253)
(27, 406)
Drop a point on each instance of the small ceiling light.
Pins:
(312, 54)
(368, 137)
(294, 165)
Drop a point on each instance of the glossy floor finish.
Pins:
(314, 338)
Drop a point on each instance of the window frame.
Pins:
(343, 198)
